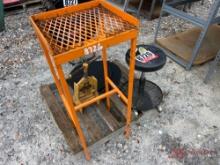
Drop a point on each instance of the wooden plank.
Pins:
(101, 123)
(117, 114)
(108, 118)
(63, 122)
(90, 124)
(121, 108)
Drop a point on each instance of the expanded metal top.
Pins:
(78, 28)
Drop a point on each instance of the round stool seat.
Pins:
(148, 58)
(146, 94)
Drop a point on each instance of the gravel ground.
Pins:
(185, 132)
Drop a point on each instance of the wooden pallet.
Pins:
(22, 5)
(96, 122)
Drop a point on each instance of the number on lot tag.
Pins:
(93, 49)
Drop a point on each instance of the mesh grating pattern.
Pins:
(79, 28)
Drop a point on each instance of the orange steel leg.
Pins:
(105, 68)
(72, 112)
(52, 70)
(130, 86)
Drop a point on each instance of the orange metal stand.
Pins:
(72, 32)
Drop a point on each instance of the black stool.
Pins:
(147, 95)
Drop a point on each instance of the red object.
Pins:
(147, 57)
(11, 2)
